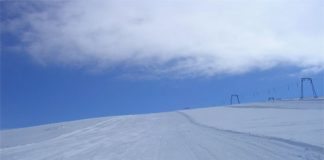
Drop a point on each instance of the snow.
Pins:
(301, 121)
(279, 130)
(36, 134)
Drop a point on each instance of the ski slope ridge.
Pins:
(314, 147)
(240, 132)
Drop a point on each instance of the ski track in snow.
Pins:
(163, 136)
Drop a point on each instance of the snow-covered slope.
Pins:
(300, 121)
(279, 130)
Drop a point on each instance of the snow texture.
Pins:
(287, 130)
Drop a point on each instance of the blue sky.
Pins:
(74, 59)
(33, 94)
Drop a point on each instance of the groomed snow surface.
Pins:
(287, 130)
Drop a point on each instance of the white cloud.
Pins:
(179, 37)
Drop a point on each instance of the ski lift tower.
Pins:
(237, 98)
(302, 87)
(271, 99)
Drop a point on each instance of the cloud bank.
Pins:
(178, 37)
